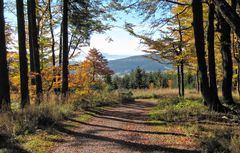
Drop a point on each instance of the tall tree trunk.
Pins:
(65, 49)
(197, 10)
(179, 81)
(4, 81)
(31, 48)
(229, 14)
(238, 79)
(182, 78)
(35, 47)
(211, 52)
(227, 60)
(180, 53)
(197, 81)
(52, 32)
(235, 48)
(58, 90)
(22, 54)
(60, 45)
(236, 6)
(238, 61)
(52, 45)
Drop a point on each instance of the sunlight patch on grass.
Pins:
(40, 142)
(210, 131)
(177, 109)
(162, 93)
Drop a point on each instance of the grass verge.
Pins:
(210, 131)
(32, 129)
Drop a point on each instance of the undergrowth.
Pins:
(52, 110)
(178, 109)
(216, 132)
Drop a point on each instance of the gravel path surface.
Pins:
(123, 129)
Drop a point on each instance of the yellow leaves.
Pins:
(90, 73)
(57, 84)
(235, 76)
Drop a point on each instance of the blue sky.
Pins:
(123, 43)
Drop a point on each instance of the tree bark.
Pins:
(22, 54)
(65, 49)
(4, 80)
(52, 45)
(31, 49)
(180, 53)
(211, 52)
(52, 32)
(235, 5)
(197, 81)
(197, 10)
(34, 42)
(179, 81)
(229, 14)
(182, 78)
(225, 39)
(58, 90)
(60, 45)
(238, 79)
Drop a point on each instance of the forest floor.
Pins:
(126, 128)
(157, 121)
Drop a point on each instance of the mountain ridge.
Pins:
(126, 65)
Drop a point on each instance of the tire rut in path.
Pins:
(123, 129)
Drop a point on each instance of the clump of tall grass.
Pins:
(50, 111)
(215, 134)
(177, 109)
(225, 140)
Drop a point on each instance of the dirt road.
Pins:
(123, 129)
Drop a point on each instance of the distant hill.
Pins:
(126, 65)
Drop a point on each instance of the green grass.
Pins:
(43, 140)
(40, 142)
(177, 109)
(32, 129)
(162, 93)
(210, 131)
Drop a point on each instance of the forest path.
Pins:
(123, 129)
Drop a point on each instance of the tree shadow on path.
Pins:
(126, 144)
(120, 129)
(135, 115)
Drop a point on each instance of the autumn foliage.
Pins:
(92, 72)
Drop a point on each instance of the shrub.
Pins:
(103, 98)
(126, 96)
